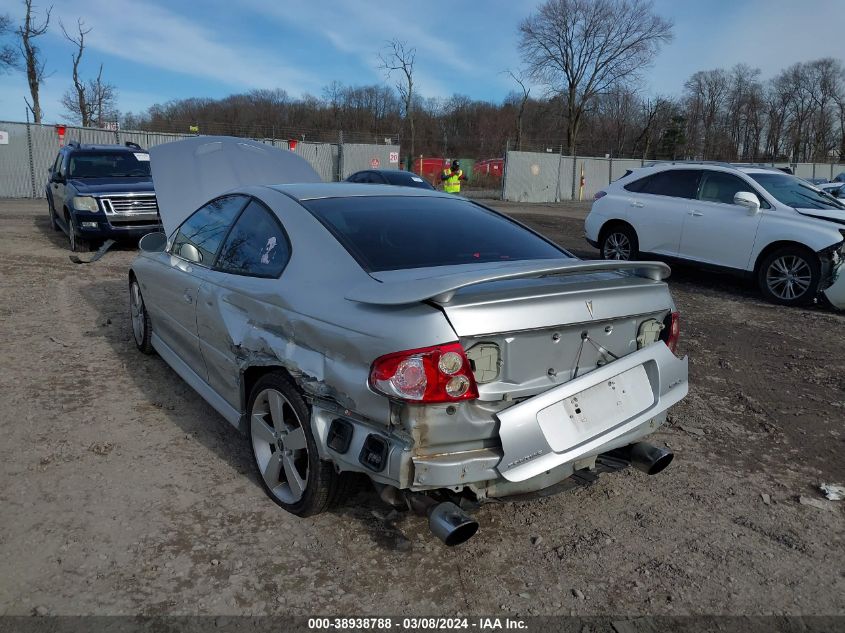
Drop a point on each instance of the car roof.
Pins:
(385, 171)
(111, 148)
(708, 165)
(318, 190)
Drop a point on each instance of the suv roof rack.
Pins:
(133, 145)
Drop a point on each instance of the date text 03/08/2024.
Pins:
(422, 623)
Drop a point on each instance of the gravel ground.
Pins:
(124, 493)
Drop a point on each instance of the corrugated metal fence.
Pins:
(27, 151)
(548, 177)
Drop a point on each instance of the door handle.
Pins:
(187, 297)
(695, 214)
(639, 205)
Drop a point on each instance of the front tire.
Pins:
(77, 244)
(284, 451)
(141, 328)
(619, 242)
(789, 276)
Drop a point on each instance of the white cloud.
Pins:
(148, 34)
(362, 29)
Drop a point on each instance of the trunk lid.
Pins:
(530, 326)
(525, 340)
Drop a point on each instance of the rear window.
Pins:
(677, 183)
(399, 232)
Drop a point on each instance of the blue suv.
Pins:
(99, 192)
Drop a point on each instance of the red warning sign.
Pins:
(374, 163)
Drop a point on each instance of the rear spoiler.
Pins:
(441, 288)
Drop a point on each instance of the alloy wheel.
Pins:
(279, 445)
(136, 311)
(617, 246)
(788, 277)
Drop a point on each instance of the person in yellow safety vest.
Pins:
(452, 178)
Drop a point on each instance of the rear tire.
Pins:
(789, 276)
(619, 242)
(284, 450)
(54, 224)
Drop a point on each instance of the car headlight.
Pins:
(85, 203)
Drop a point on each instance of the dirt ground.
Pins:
(122, 492)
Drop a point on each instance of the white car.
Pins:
(760, 222)
(836, 189)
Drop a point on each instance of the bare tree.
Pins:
(27, 33)
(102, 100)
(520, 112)
(8, 53)
(399, 58)
(92, 102)
(580, 48)
(76, 100)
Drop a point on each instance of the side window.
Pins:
(206, 228)
(637, 185)
(355, 178)
(257, 245)
(717, 186)
(677, 183)
(59, 166)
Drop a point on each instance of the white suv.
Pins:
(776, 228)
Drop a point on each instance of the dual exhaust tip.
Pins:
(453, 526)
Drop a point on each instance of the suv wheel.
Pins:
(53, 222)
(77, 244)
(285, 454)
(789, 276)
(619, 243)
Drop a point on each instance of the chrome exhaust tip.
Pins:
(450, 524)
(649, 459)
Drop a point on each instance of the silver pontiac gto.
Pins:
(444, 350)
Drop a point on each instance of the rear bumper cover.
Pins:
(526, 451)
(531, 445)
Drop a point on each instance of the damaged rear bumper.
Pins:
(543, 439)
(591, 414)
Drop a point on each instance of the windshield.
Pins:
(402, 232)
(109, 165)
(795, 192)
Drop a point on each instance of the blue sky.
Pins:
(155, 50)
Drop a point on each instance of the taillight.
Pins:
(431, 374)
(671, 330)
(599, 194)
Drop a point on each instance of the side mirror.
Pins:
(190, 252)
(748, 200)
(153, 242)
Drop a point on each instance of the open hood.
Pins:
(831, 215)
(189, 173)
